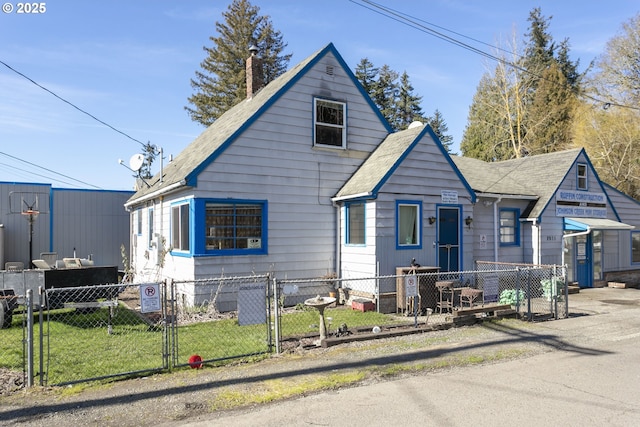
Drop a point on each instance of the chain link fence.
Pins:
(13, 341)
(219, 319)
(100, 331)
(104, 331)
(536, 291)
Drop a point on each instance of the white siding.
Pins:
(274, 160)
(360, 260)
(420, 177)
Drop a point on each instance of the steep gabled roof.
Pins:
(184, 169)
(381, 164)
(535, 176)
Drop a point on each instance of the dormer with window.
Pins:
(330, 124)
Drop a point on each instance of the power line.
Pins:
(48, 170)
(414, 23)
(71, 104)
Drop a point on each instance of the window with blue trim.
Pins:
(355, 224)
(180, 222)
(582, 177)
(408, 223)
(509, 227)
(233, 226)
(329, 120)
(635, 247)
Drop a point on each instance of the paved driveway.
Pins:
(591, 377)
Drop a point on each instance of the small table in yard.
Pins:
(470, 295)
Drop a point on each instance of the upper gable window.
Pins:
(330, 123)
(582, 177)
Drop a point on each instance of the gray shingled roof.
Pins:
(184, 168)
(537, 176)
(373, 172)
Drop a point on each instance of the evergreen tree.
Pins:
(486, 135)
(367, 75)
(221, 82)
(440, 128)
(551, 113)
(539, 50)
(408, 104)
(385, 94)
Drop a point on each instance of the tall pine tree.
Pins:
(221, 82)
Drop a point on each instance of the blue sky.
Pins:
(129, 64)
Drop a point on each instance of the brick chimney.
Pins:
(254, 72)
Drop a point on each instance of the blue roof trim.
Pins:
(612, 188)
(542, 211)
(427, 129)
(451, 163)
(593, 170)
(395, 166)
(363, 92)
(192, 177)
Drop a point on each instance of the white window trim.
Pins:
(343, 126)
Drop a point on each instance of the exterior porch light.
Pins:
(432, 219)
(468, 220)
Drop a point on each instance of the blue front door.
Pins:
(584, 267)
(449, 239)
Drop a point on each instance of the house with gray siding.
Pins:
(553, 209)
(306, 179)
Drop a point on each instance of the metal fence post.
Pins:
(269, 304)
(41, 333)
(518, 290)
(529, 314)
(276, 312)
(29, 337)
(172, 341)
(167, 321)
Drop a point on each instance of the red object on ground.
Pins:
(195, 362)
(363, 305)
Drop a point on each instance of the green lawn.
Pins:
(78, 345)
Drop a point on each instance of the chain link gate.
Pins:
(97, 332)
(219, 319)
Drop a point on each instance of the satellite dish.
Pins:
(136, 161)
(415, 124)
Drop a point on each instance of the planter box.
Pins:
(362, 305)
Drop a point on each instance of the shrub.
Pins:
(508, 296)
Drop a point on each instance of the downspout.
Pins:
(564, 236)
(338, 258)
(538, 259)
